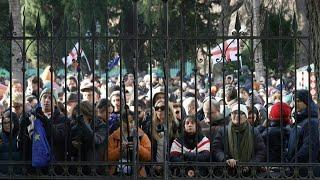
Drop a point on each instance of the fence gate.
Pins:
(159, 90)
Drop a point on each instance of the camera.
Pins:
(160, 128)
(130, 138)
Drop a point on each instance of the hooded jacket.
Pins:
(304, 133)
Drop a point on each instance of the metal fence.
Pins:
(160, 51)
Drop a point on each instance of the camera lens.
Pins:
(160, 128)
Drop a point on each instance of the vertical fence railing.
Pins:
(165, 41)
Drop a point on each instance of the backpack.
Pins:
(41, 151)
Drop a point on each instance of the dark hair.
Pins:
(73, 78)
(36, 80)
(231, 93)
(14, 120)
(127, 114)
(193, 118)
(30, 98)
(142, 104)
(103, 104)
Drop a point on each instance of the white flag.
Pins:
(230, 51)
(73, 55)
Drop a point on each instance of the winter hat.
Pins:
(303, 96)
(243, 108)
(48, 91)
(275, 113)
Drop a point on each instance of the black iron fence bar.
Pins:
(166, 37)
(266, 77)
(166, 60)
(135, 156)
(147, 37)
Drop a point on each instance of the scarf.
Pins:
(244, 153)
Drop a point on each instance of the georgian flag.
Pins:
(73, 55)
(230, 50)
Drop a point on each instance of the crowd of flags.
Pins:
(73, 56)
(229, 48)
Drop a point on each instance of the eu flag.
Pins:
(41, 151)
(113, 62)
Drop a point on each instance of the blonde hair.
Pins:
(46, 74)
(172, 121)
(17, 98)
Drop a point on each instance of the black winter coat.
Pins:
(304, 134)
(272, 139)
(221, 154)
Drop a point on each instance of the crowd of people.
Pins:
(193, 120)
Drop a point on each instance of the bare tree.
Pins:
(304, 29)
(15, 8)
(226, 11)
(258, 60)
(313, 9)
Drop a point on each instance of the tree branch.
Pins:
(236, 6)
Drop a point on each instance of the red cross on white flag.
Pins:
(73, 55)
(230, 51)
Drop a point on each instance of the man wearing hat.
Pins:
(54, 123)
(304, 134)
(90, 93)
(72, 100)
(240, 142)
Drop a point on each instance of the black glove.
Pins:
(25, 120)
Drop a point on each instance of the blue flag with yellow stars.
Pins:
(41, 151)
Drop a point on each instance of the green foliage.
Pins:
(274, 49)
(186, 19)
(49, 12)
(4, 29)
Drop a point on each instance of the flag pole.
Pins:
(85, 57)
(240, 59)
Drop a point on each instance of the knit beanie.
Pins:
(303, 96)
(275, 113)
(48, 91)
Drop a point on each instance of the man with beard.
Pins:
(72, 84)
(191, 146)
(35, 86)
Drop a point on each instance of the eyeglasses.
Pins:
(161, 108)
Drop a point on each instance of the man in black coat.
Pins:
(304, 133)
(239, 142)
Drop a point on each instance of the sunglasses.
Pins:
(161, 108)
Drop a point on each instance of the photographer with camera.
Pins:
(85, 131)
(121, 145)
